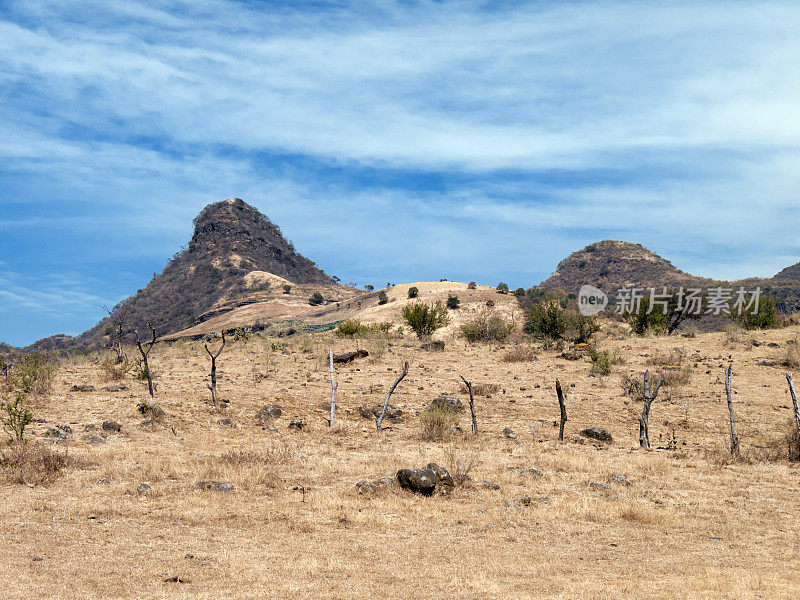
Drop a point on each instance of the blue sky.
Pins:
(391, 141)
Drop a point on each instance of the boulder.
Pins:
(510, 433)
(143, 489)
(490, 485)
(446, 403)
(420, 481)
(297, 424)
(215, 486)
(435, 346)
(94, 440)
(269, 412)
(597, 433)
(81, 388)
(111, 426)
(59, 431)
(432, 479)
(349, 356)
(393, 414)
(115, 388)
(619, 479)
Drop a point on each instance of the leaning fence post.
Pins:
(796, 409)
(563, 407)
(471, 406)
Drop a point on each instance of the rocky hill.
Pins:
(610, 265)
(235, 254)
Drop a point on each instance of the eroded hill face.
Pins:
(235, 255)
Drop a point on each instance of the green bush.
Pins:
(767, 317)
(486, 327)
(353, 328)
(15, 417)
(424, 318)
(382, 297)
(348, 328)
(453, 302)
(502, 288)
(550, 320)
(413, 292)
(519, 292)
(33, 374)
(287, 288)
(316, 299)
(242, 334)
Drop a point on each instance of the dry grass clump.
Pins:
(790, 357)
(520, 354)
(481, 389)
(114, 369)
(437, 424)
(673, 358)
(460, 460)
(35, 464)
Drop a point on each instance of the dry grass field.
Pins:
(692, 523)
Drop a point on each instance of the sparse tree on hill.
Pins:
(383, 298)
(287, 289)
(369, 287)
(502, 288)
(316, 299)
(413, 292)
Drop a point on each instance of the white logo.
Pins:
(591, 300)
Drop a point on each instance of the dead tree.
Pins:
(563, 406)
(213, 386)
(644, 434)
(796, 410)
(734, 437)
(119, 323)
(389, 395)
(471, 406)
(334, 387)
(145, 354)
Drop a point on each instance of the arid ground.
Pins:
(691, 523)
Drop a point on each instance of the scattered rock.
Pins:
(104, 481)
(81, 388)
(446, 403)
(37, 559)
(773, 345)
(371, 487)
(59, 431)
(143, 489)
(599, 486)
(111, 426)
(115, 388)
(269, 412)
(510, 433)
(571, 355)
(297, 424)
(227, 423)
(94, 440)
(151, 410)
(176, 579)
(393, 414)
(766, 363)
(619, 479)
(349, 356)
(597, 433)
(216, 486)
(490, 485)
(435, 346)
(444, 481)
(533, 472)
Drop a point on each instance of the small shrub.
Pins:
(767, 317)
(413, 292)
(502, 288)
(490, 303)
(383, 298)
(453, 302)
(791, 354)
(115, 370)
(316, 299)
(348, 328)
(601, 363)
(437, 423)
(472, 285)
(486, 327)
(461, 462)
(520, 354)
(15, 415)
(242, 334)
(424, 318)
(287, 289)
